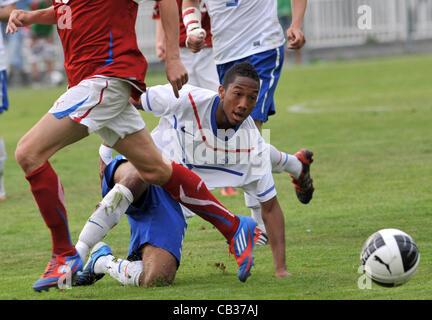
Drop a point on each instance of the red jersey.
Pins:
(98, 38)
(205, 23)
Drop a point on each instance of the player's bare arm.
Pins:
(175, 70)
(22, 18)
(274, 222)
(6, 11)
(160, 41)
(294, 33)
(190, 3)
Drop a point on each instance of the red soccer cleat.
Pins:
(304, 184)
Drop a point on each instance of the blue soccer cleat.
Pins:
(59, 271)
(87, 276)
(241, 246)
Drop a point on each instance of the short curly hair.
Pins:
(243, 69)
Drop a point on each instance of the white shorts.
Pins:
(201, 68)
(101, 104)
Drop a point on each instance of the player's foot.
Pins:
(229, 191)
(87, 276)
(304, 184)
(58, 269)
(260, 237)
(241, 246)
(2, 198)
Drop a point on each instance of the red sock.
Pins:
(190, 190)
(48, 193)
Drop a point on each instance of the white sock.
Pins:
(253, 204)
(282, 161)
(124, 271)
(2, 163)
(104, 218)
(256, 215)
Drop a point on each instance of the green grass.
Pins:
(368, 123)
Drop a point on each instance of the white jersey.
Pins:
(241, 28)
(187, 133)
(3, 64)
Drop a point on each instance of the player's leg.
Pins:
(67, 122)
(298, 166)
(159, 266)
(255, 208)
(102, 261)
(33, 151)
(4, 106)
(121, 185)
(157, 231)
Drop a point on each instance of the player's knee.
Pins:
(156, 279)
(24, 157)
(155, 175)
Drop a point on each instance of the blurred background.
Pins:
(335, 30)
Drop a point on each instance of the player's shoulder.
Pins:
(197, 93)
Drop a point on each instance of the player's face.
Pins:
(239, 99)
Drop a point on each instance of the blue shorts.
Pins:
(268, 64)
(156, 218)
(4, 102)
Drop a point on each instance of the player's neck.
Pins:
(222, 121)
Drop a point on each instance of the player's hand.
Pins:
(17, 18)
(102, 167)
(136, 103)
(295, 37)
(160, 51)
(176, 74)
(195, 43)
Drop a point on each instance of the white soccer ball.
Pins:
(390, 257)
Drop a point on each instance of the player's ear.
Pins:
(221, 91)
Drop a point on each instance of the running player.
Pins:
(105, 68)
(212, 134)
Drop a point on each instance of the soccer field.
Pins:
(369, 125)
